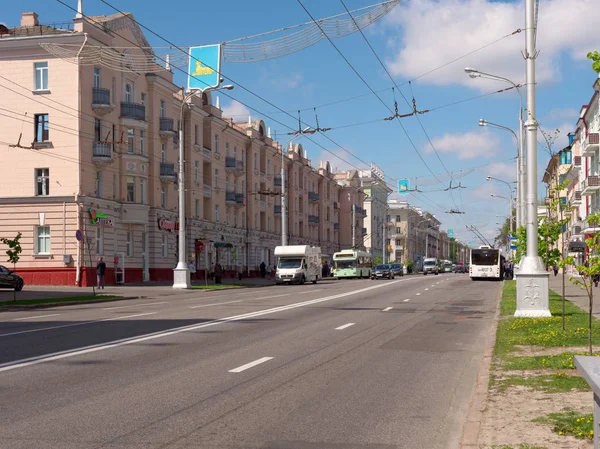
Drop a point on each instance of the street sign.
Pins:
(450, 233)
(403, 186)
(513, 243)
(204, 67)
(470, 244)
(79, 235)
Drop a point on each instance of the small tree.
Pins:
(589, 270)
(595, 57)
(377, 260)
(13, 252)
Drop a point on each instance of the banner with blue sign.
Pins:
(204, 67)
(513, 243)
(470, 244)
(403, 186)
(450, 233)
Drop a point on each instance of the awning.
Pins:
(577, 247)
(223, 245)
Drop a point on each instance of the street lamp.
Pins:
(512, 199)
(181, 274)
(474, 73)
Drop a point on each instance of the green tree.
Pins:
(595, 57)
(377, 260)
(13, 252)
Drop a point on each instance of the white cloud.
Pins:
(468, 145)
(236, 110)
(290, 81)
(437, 31)
(558, 114)
(484, 191)
(502, 170)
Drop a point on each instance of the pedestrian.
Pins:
(269, 271)
(263, 270)
(212, 271)
(325, 270)
(218, 273)
(555, 268)
(100, 270)
(240, 272)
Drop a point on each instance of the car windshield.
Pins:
(290, 263)
(4, 270)
(341, 264)
(382, 267)
(396, 265)
(429, 263)
(484, 257)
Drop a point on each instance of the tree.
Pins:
(589, 270)
(595, 57)
(13, 252)
(377, 260)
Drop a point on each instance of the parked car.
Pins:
(9, 279)
(382, 271)
(398, 269)
(460, 268)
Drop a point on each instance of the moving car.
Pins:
(398, 269)
(460, 268)
(9, 279)
(430, 265)
(382, 271)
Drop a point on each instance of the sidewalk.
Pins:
(574, 293)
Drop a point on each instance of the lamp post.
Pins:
(521, 169)
(181, 273)
(284, 223)
(512, 199)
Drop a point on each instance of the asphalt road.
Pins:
(341, 364)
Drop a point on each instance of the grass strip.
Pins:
(571, 423)
(556, 361)
(29, 302)
(550, 383)
(520, 446)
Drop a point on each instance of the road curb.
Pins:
(472, 427)
(66, 303)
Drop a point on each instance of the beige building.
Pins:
(94, 148)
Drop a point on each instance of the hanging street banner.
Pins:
(513, 243)
(403, 186)
(450, 233)
(204, 67)
(470, 244)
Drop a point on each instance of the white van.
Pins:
(430, 265)
(297, 264)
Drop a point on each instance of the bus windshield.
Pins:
(289, 263)
(484, 257)
(429, 263)
(341, 264)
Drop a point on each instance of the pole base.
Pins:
(532, 289)
(181, 278)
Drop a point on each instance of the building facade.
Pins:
(95, 160)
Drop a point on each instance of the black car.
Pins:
(8, 279)
(382, 271)
(398, 269)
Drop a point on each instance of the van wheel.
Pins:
(315, 281)
(302, 280)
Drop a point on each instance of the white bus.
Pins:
(351, 263)
(486, 263)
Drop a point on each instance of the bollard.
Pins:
(589, 367)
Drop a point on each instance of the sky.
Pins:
(426, 42)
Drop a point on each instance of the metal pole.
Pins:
(181, 275)
(532, 278)
(384, 238)
(521, 171)
(353, 224)
(284, 222)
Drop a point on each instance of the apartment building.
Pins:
(94, 149)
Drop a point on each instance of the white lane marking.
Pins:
(7, 366)
(239, 369)
(344, 326)
(387, 309)
(275, 296)
(75, 324)
(135, 305)
(37, 316)
(418, 294)
(426, 289)
(433, 285)
(215, 304)
(406, 300)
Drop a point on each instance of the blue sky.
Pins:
(418, 36)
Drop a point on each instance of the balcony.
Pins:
(133, 110)
(590, 185)
(167, 172)
(576, 198)
(229, 196)
(313, 220)
(207, 191)
(230, 164)
(336, 206)
(577, 161)
(576, 228)
(239, 169)
(277, 209)
(206, 154)
(590, 144)
(240, 199)
(277, 181)
(336, 226)
(102, 153)
(364, 231)
(313, 196)
(165, 129)
(359, 210)
(589, 228)
(101, 101)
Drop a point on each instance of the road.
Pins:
(341, 364)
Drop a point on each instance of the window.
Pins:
(114, 137)
(130, 140)
(163, 152)
(216, 143)
(97, 83)
(163, 197)
(41, 75)
(196, 135)
(142, 142)
(255, 221)
(162, 108)
(216, 213)
(131, 189)
(565, 157)
(41, 128)
(235, 189)
(269, 224)
(235, 219)
(128, 93)
(255, 190)
(235, 153)
(164, 245)
(97, 130)
(143, 99)
(197, 172)
(268, 167)
(227, 183)
(42, 181)
(42, 240)
(216, 178)
(226, 149)
(244, 187)
(129, 244)
(114, 91)
(99, 184)
(227, 216)
(99, 241)
(197, 208)
(114, 186)
(255, 161)
(243, 158)
(142, 191)
(243, 219)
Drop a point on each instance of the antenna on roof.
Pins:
(218, 103)
(79, 14)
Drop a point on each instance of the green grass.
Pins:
(557, 361)
(221, 286)
(544, 332)
(520, 446)
(570, 423)
(23, 302)
(552, 383)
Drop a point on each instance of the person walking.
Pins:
(100, 270)
(555, 269)
(263, 270)
(218, 273)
